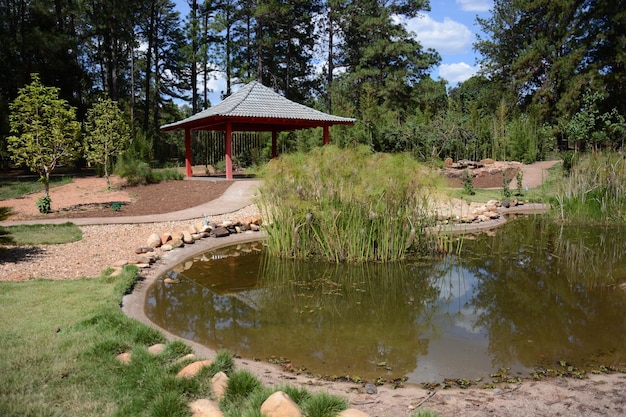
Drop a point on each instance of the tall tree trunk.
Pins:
(194, 56)
(331, 67)
(150, 35)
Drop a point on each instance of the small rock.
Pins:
(156, 349)
(219, 382)
(144, 249)
(187, 357)
(187, 239)
(124, 358)
(279, 404)
(205, 408)
(165, 237)
(221, 232)
(142, 259)
(371, 388)
(352, 412)
(154, 240)
(166, 247)
(192, 369)
(176, 243)
(254, 227)
(120, 264)
(226, 223)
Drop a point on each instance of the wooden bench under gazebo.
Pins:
(254, 108)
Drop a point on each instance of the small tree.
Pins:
(45, 130)
(107, 134)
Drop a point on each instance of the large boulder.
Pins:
(219, 382)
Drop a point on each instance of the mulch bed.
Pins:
(164, 197)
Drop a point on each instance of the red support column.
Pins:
(274, 148)
(228, 148)
(326, 135)
(188, 171)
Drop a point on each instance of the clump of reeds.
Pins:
(346, 205)
(594, 191)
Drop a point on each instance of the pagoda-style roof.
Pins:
(257, 108)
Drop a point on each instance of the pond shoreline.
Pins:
(551, 395)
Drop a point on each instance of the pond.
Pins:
(531, 294)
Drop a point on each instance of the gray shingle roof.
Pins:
(259, 104)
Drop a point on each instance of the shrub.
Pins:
(44, 204)
(467, 179)
(167, 174)
(135, 172)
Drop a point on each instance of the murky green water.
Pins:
(533, 294)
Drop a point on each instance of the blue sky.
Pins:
(450, 28)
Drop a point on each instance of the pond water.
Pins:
(531, 294)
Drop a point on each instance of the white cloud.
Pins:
(445, 37)
(475, 5)
(457, 72)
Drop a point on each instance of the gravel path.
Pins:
(100, 248)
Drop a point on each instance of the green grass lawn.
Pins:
(58, 347)
(15, 187)
(44, 234)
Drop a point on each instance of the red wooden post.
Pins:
(228, 149)
(274, 150)
(326, 135)
(188, 171)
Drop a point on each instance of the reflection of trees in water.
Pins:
(346, 316)
(540, 292)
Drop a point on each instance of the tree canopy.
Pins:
(44, 130)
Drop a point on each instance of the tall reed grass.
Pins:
(594, 191)
(346, 205)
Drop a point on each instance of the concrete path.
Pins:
(239, 195)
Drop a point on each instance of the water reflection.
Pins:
(533, 293)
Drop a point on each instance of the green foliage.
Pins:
(135, 172)
(323, 404)
(167, 174)
(589, 128)
(107, 134)
(519, 178)
(570, 158)
(594, 190)
(44, 204)
(15, 188)
(241, 384)
(506, 191)
(346, 205)
(467, 179)
(44, 130)
(45, 234)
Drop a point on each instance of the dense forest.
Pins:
(553, 72)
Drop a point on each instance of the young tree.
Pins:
(107, 134)
(45, 130)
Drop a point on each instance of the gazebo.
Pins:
(254, 108)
